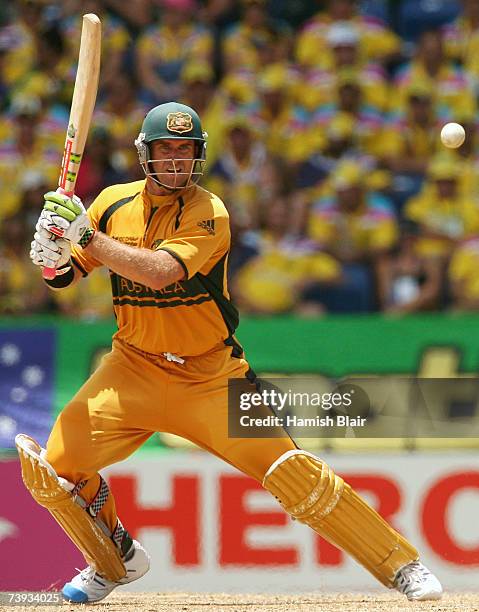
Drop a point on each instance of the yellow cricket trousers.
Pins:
(132, 395)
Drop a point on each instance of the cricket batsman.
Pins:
(165, 241)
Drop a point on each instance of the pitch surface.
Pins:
(220, 602)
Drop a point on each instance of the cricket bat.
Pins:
(83, 103)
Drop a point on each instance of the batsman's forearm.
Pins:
(155, 269)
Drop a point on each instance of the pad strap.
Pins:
(120, 535)
(99, 500)
(122, 538)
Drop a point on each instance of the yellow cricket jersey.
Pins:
(456, 219)
(463, 268)
(189, 317)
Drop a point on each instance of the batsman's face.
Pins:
(173, 160)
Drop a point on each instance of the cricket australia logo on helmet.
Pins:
(179, 122)
(170, 122)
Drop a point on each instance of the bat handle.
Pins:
(50, 273)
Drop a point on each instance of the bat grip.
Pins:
(50, 273)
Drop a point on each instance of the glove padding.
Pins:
(48, 252)
(64, 216)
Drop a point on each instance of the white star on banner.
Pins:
(8, 426)
(18, 395)
(9, 354)
(32, 376)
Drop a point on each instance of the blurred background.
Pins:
(355, 251)
(323, 121)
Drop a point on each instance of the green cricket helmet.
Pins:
(172, 121)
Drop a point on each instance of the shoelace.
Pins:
(412, 571)
(87, 574)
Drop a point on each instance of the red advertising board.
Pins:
(208, 527)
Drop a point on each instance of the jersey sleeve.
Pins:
(81, 259)
(203, 232)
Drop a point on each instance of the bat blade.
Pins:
(81, 111)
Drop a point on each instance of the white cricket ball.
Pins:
(452, 135)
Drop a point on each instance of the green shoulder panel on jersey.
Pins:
(213, 284)
(181, 205)
(111, 199)
(112, 209)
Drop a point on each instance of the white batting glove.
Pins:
(64, 216)
(48, 252)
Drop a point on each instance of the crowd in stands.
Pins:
(323, 121)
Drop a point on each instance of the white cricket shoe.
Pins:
(88, 586)
(416, 582)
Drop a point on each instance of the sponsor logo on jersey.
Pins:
(179, 122)
(129, 240)
(208, 225)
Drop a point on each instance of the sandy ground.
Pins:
(179, 602)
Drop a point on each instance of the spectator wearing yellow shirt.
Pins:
(26, 144)
(90, 301)
(164, 49)
(445, 216)
(239, 87)
(282, 123)
(431, 67)
(409, 140)
(199, 92)
(336, 143)
(21, 292)
(358, 227)
(467, 156)
(18, 38)
(408, 282)
(368, 122)
(115, 39)
(461, 39)
(122, 114)
(34, 183)
(243, 42)
(344, 53)
(239, 175)
(48, 78)
(286, 264)
(98, 168)
(377, 42)
(463, 276)
(240, 80)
